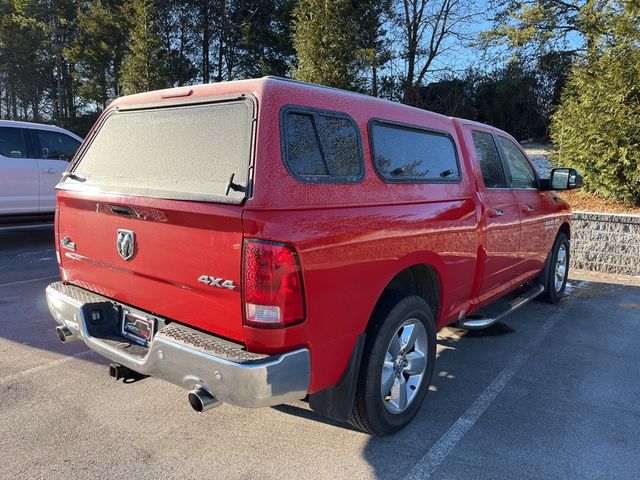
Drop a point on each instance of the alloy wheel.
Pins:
(404, 366)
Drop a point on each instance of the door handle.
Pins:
(48, 170)
(495, 212)
(527, 208)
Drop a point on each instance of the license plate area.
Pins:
(138, 328)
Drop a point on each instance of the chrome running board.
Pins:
(477, 322)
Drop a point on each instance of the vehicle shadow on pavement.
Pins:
(447, 339)
(25, 238)
(309, 414)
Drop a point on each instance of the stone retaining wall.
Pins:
(606, 242)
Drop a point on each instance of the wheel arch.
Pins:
(422, 278)
(544, 273)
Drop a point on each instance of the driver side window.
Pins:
(522, 174)
(489, 158)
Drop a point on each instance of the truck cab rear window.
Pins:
(321, 146)
(187, 152)
(407, 154)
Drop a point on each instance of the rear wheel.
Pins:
(397, 365)
(556, 281)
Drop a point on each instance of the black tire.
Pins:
(369, 412)
(552, 294)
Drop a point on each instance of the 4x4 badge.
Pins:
(217, 282)
(126, 244)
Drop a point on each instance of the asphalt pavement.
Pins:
(552, 392)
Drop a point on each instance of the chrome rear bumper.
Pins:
(182, 355)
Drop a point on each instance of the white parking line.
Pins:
(28, 281)
(46, 366)
(443, 447)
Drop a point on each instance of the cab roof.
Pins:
(257, 86)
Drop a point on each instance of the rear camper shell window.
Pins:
(321, 146)
(199, 151)
(412, 154)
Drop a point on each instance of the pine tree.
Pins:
(26, 62)
(146, 66)
(98, 51)
(264, 45)
(326, 43)
(177, 30)
(597, 127)
(537, 27)
(375, 46)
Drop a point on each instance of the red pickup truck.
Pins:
(262, 241)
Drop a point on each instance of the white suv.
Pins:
(33, 158)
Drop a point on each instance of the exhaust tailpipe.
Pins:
(201, 400)
(65, 335)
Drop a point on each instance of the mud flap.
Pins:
(337, 402)
(543, 276)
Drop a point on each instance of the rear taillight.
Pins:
(272, 285)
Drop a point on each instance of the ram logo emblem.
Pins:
(126, 244)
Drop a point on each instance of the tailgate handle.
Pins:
(118, 210)
(67, 243)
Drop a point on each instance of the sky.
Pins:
(459, 56)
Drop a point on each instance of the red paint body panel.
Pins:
(177, 242)
(351, 239)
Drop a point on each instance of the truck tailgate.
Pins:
(179, 247)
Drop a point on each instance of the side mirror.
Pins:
(565, 179)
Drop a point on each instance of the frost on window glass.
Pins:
(322, 147)
(489, 158)
(182, 152)
(340, 142)
(303, 149)
(522, 174)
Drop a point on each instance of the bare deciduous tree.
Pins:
(427, 29)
